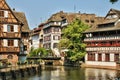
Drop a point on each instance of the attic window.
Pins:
(64, 21)
(106, 25)
(112, 16)
(87, 21)
(1, 13)
(92, 21)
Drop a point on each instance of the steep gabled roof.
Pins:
(21, 16)
(113, 11)
(19, 22)
(107, 21)
(57, 17)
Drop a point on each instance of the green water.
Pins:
(73, 73)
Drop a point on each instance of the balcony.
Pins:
(103, 49)
(10, 35)
(64, 24)
(102, 38)
(52, 24)
(103, 45)
(9, 49)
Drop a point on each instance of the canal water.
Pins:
(73, 73)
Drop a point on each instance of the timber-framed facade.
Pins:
(103, 41)
(10, 33)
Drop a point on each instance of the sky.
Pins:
(38, 11)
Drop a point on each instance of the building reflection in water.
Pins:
(74, 73)
(100, 74)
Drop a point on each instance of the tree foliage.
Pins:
(38, 52)
(113, 1)
(72, 40)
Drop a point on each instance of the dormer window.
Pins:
(92, 21)
(64, 21)
(105, 25)
(110, 16)
(87, 21)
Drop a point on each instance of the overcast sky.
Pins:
(38, 11)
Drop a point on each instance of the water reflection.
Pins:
(100, 74)
(74, 73)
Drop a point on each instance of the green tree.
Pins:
(38, 52)
(72, 39)
(113, 1)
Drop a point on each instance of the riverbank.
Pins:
(14, 72)
(83, 65)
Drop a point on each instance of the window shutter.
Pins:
(4, 28)
(16, 43)
(5, 14)
(15, 28)
(5, 42)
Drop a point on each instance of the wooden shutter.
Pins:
(5, 14)
(16, 43)
(5, 42)
(4, 28)
(15, 28)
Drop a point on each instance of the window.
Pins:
(87, 21)
(1, 13)
(47, 38)
(56, 29)
(99, 57)
(55, 45)
(64, 21)
(110, 16)
(1, 26)
(10, 42)
(1, 42)
(56, 37)
(10, 28)
(92, 21)
(47, 45)
(116, 57)
(25, 47)
(91, 56)
(107, 57)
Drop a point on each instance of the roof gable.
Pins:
(22, 18)
(113, 13)
(11, 17)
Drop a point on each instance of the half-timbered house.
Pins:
(103, 41)
(10, 33)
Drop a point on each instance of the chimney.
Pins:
(13, 9)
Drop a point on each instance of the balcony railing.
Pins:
(102, 38)
(9, 49)
(103, 49)
(10, 34)
(64, 24)
(105, 45)
(52, 24)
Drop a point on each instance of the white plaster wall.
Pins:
(103, 57)
(96, 57)
(35, 41)
(15, 28)
(6, 14)
(100, 63)
(111, 57)
(86, 56)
